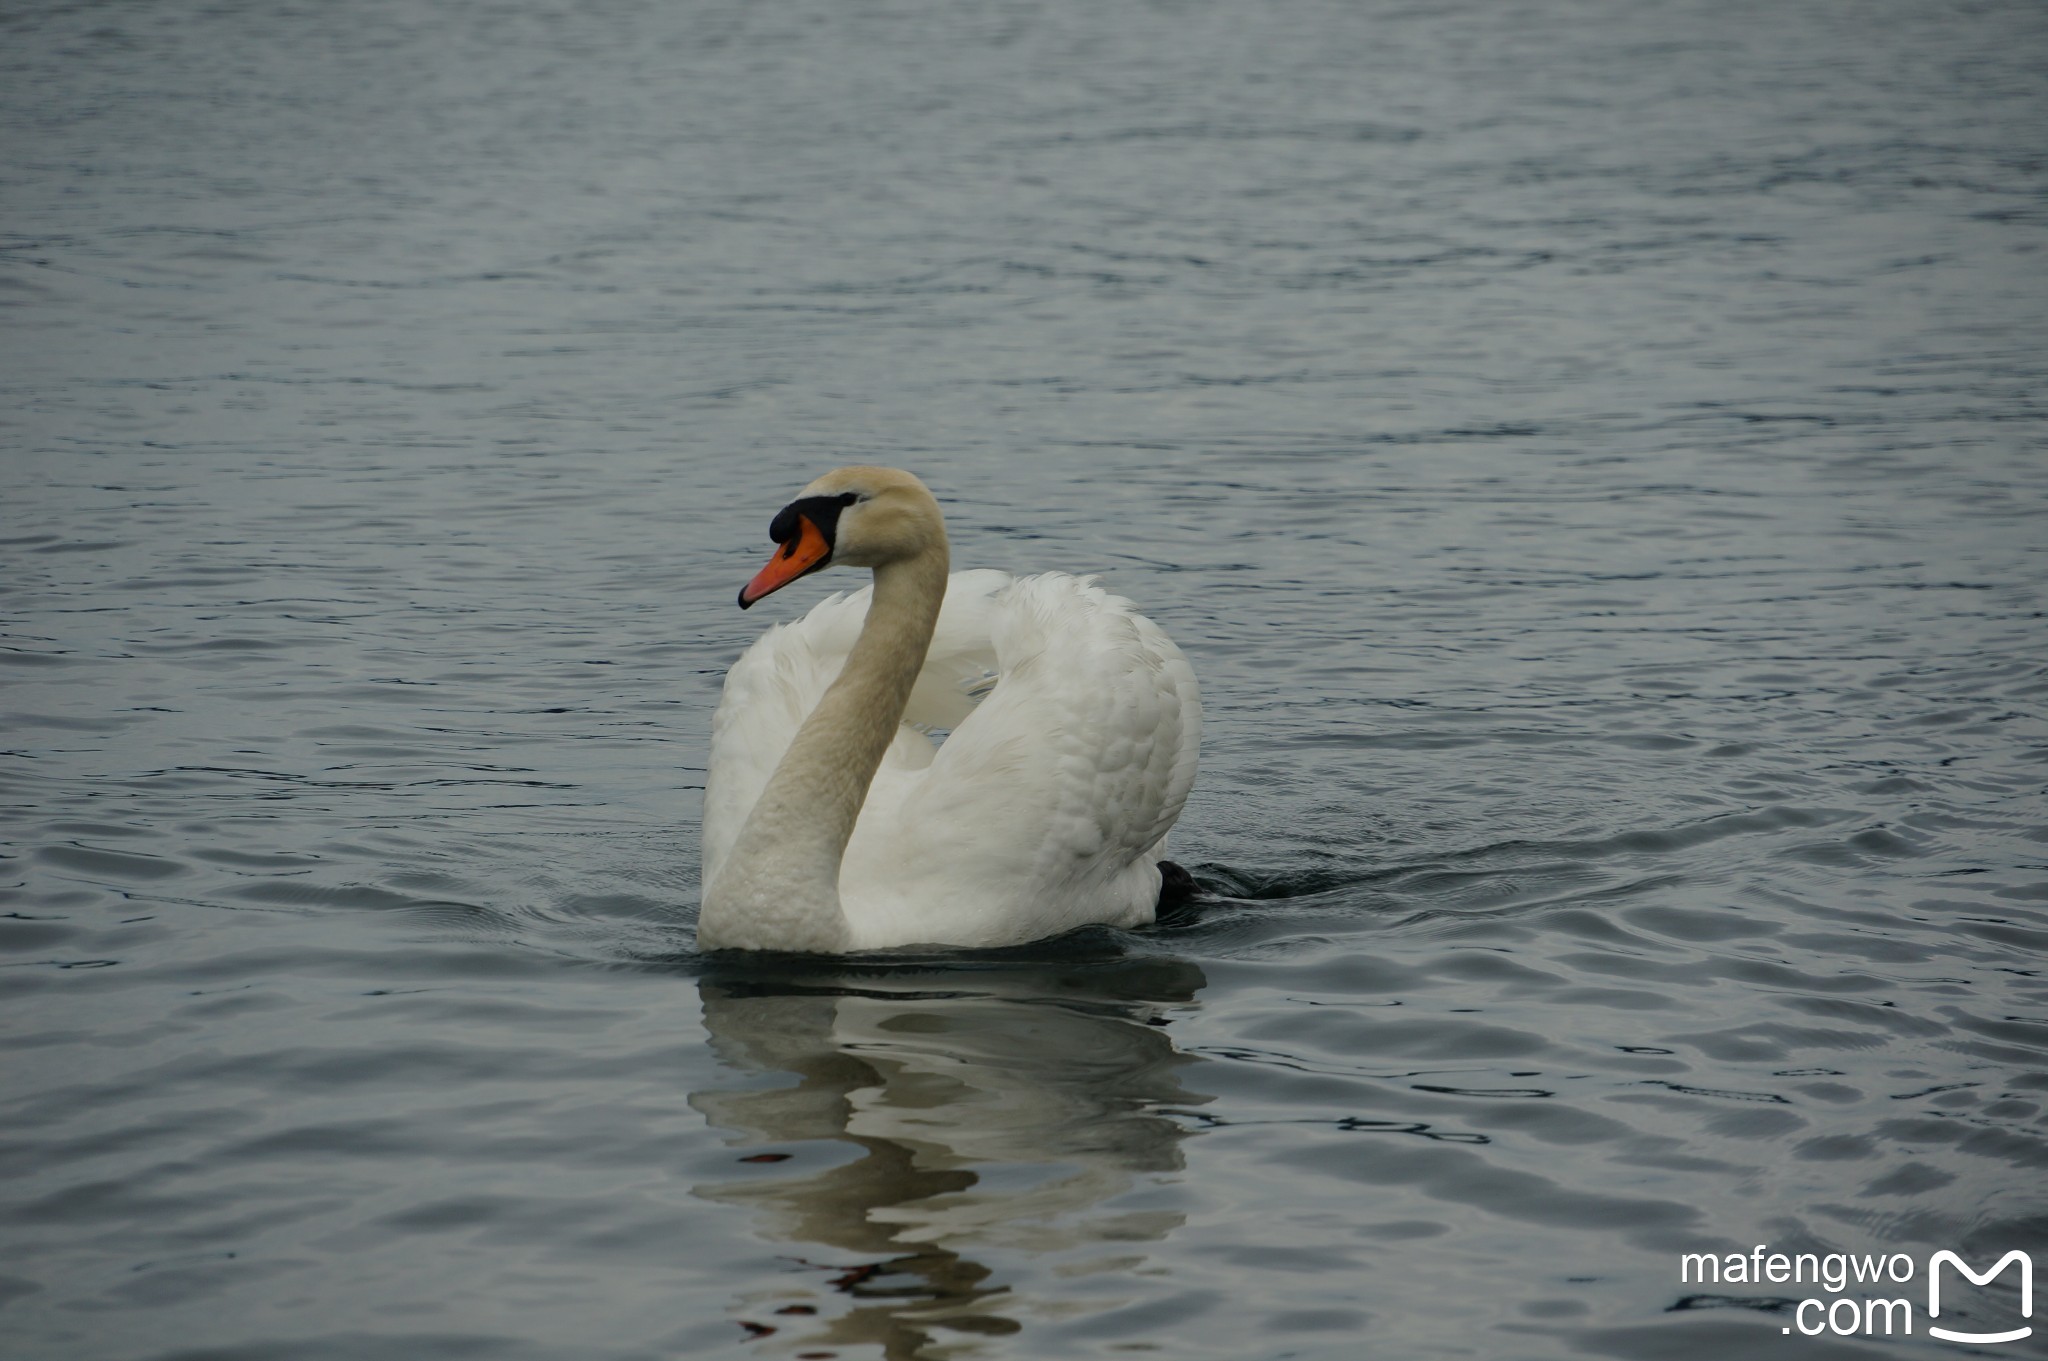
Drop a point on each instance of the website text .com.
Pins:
(1835, 1272)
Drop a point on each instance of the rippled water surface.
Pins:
(1592, 453)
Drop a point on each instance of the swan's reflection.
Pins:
(993, 1110)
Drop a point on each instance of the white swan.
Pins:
(832, 823)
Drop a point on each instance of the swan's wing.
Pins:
(1049, 803)
(778, 680)
(961, 665)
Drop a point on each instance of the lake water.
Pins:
(1592, 453)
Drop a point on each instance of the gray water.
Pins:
(1592, 453)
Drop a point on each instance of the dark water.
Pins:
(1592, 453)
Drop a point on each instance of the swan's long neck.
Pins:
(779, 887)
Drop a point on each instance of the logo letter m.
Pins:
(2026, 1294)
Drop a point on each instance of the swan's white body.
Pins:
(1074, 726)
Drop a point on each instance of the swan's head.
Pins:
(850, 517)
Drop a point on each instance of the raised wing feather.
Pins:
(1075, 725)
(1049, 804)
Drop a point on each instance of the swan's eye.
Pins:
(849, 498)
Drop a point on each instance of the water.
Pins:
(1591, 452)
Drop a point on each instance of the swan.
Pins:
(832, 821)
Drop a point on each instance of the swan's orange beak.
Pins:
(806, 551)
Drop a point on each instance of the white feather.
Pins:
(1047, 806)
